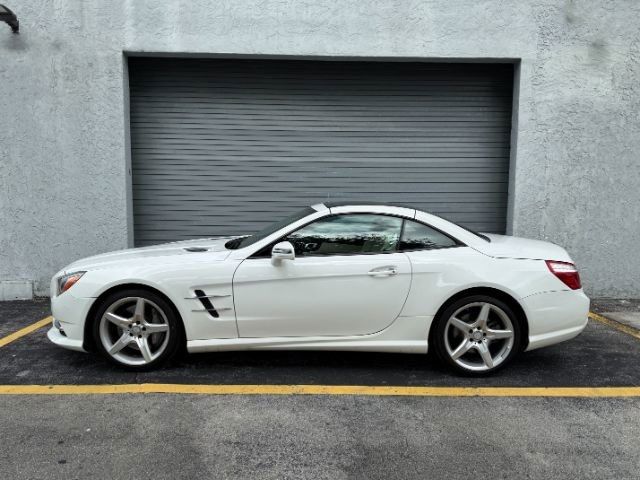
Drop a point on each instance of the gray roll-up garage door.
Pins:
(225, 146)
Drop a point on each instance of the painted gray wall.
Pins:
(63, 145)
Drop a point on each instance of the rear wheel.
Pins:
(136, 329)
(477, 335)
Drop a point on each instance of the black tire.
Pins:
(439, 331)
(174, 343)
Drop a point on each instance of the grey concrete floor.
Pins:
(625, 311)
(176, 436)
(159, 436)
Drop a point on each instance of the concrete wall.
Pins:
(63, 143)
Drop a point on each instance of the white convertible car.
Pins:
(330, 277)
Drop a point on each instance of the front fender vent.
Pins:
(206, 303)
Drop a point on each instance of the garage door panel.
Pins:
(318, 143)
(180, 177)
(221, 147)
(374, 165)
(373, 129)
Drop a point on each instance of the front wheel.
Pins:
(136, 329)
(477, 335)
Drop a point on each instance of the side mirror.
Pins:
(282, 251)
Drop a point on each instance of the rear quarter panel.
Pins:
(437, 275)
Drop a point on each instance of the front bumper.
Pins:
(555, 316)
(69, 313)
(56, 337)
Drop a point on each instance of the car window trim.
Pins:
(265, 252)
(404, 222)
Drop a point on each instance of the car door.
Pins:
(347, 278)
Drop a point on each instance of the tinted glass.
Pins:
(268, 230)
(348, 234)
(417, 236)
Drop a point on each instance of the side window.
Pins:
(417, 236)
(348, 234)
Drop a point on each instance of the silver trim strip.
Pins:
(206, 296)
(223, 309)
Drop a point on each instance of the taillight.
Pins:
(567, 272)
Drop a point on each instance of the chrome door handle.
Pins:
(384, 271)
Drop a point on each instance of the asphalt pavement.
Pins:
(160, 436)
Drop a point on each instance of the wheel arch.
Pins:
(87, 338)
(492, 292)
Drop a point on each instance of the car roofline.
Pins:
(335, 204)
(328, 208)
(451, 228)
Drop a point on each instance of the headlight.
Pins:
(65, 282)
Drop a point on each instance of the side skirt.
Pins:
(405, 335)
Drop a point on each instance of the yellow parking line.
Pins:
(617, 325)
(321, 390)
(24, 331)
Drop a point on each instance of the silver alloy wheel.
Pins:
(479, 336)
(134, 331)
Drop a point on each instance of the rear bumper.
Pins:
(555, 316)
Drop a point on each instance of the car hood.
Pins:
(504, 246)
(212, 247)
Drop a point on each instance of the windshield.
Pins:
(268, 230)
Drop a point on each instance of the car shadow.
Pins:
(599, 357)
